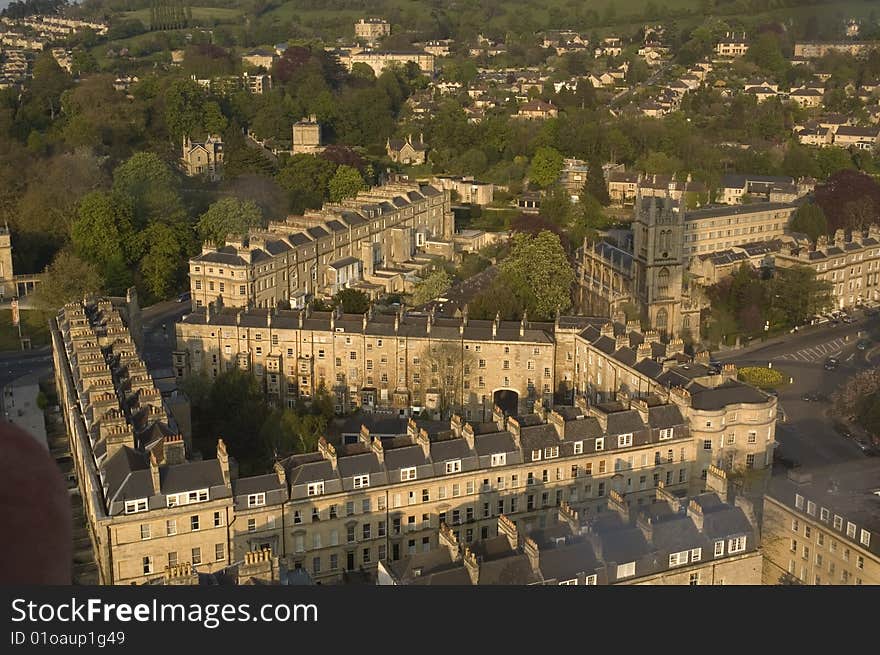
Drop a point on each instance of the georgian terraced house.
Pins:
(156, 514)
(376, 242)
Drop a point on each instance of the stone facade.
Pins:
(203, 158)
(658, 539)
(411, 364)
(821, 527)
(851, 265)
(376, 242)
(306, 136)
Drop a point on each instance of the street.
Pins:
(807, 436)
(158, 321)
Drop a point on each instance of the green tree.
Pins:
(546, 166)
(184, 108)
(596, 184)
(345, 183)
(213, 119)
(352, 301)
(228, 216)
(235, 410)
(152, 187)
(305, 178)
(766, 53)
(102, 229)
(799, 295)
(66, 279)
(809, 219)
(539, 274)
(432, 286)
(160, 267)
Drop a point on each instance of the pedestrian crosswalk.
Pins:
(811, 354)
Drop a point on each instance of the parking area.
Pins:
(831, 348)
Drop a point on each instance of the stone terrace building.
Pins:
(377, 242)
(662, 538)
(851, 265)
(411, 363)
(822, 527)
(150, 508)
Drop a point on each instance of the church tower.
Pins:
(658, 237)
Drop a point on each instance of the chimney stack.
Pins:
(223, 459)
(154, 475)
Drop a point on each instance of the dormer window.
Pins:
(624, 440)
(256, 500)
(316, 488)
(361, 481)
(133, 506)
(578, 447)
(600, 443)
(536, 455)
(453, 467)
(551, 452)
(665, 433)
(408, 473)
(499, 459)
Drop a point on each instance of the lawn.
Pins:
(220, 14)
(34, 324)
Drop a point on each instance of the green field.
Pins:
(220, 14)
(34, 324)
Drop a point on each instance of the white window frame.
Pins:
(566, 583)
(798, 501)
(824, 514)
(736, 545)
(551, 452)
(453, 466)
(624, 440)
(811, 508)
(719, 548)
(315, 488)
(361, 481)
(666, 433)
(865, 538)
(850, 529)
(536, 455)
(627, 570)
(408, 473)
(600, 443)
(591, 580)
(134, 506)
(578, 447)
(696, 554)
(256, 500)
(498, 459)
(679, 559)
(838, 522)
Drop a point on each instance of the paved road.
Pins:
(158, 321)
(14, 365)
(808, 435)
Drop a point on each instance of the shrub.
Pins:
(763, 378)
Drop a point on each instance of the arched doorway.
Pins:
(507, 400)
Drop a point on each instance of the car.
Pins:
(863, 344)
(846, 318)
(863, 445)
(831, 363)
(184, 297)
(809, 397)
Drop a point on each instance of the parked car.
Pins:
(863, 344)
(831, 363)
(846, 318)
(184, 297)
